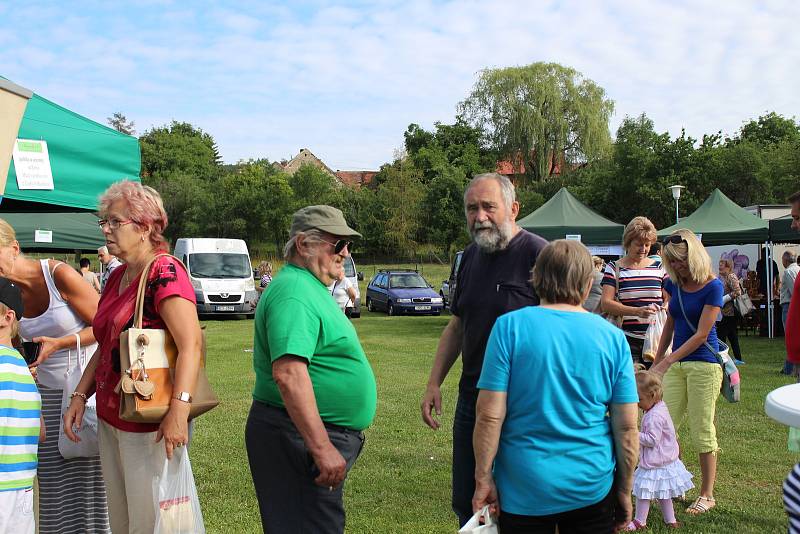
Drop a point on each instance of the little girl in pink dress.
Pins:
(660, 475)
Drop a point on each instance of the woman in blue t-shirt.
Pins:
(692, 375)
(555, 427)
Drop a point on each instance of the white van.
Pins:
(221, 274)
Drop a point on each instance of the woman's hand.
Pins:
(174, 428)
(486, 493)
(73, 417)
(660, 367)
(646, 311)
(49, 346)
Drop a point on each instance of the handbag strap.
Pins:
(694, 328)
(138, 314)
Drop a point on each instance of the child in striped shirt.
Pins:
(21, 426)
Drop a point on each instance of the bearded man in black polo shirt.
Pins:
(492, 280)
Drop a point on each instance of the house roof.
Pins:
(356, 178)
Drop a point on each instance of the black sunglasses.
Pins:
(340, 245)
(674, 239)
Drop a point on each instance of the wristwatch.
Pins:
(183, 396)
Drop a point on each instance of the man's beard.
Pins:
(490, 237)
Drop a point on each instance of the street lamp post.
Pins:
(676, 194)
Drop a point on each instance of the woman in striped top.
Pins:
(633, 286)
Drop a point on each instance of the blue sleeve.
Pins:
(623, 390)
(669, 286)
(714, 295)
(496, 371)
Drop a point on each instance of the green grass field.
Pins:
(401, 483)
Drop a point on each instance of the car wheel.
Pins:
(390, 309)
(369, 305)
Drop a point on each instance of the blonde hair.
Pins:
(143, 205)
(728, 262)
(639, 228)
(14, 330)
(7, 234)
(690, 251)
(562, 272)
(649, 383)
(598, 262)
(264, 267)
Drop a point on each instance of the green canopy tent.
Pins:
(85, 156)
(65, 231)
(780, 230)
(564, 215)
(721, 221)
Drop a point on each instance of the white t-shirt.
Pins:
(339, 291)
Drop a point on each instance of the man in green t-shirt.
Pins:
(315, 391)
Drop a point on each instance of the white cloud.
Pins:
(345, 80)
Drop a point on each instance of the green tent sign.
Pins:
(32, 164)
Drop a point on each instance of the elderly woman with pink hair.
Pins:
(133, 219)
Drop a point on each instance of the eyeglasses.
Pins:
(112, 224)
(340, 245)
(674, 239)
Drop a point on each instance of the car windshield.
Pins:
(219, 265)
(406, 281)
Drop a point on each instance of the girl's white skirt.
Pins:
(665, 482)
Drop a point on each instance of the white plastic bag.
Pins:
(88, 445)
(474, 526)
(176, 503)
(653, 336)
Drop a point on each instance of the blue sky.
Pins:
(345, 79)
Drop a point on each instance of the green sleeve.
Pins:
(294, 329)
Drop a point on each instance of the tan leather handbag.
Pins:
(148, 357)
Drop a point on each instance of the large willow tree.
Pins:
(544, 115)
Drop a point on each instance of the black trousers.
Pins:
(593, 519)
(727, 332)
(283, 474)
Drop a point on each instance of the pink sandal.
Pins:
(636, 525)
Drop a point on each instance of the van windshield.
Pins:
(219, 265)
(349, 267)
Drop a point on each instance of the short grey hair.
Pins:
(789, 256)
(313, 235)
(507, 189)
(103, 250)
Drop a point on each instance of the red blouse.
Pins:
(167, 278)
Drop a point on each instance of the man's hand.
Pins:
(623, 511)
(432, 402)
(332, 466)
(486, 493)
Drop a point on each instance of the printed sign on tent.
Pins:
(32, 163)
(43, 236)
(573, 237)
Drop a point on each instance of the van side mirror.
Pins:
(360, 276)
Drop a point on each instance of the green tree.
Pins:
(544, 115)
(179, 147)
(769, 129)
(443, 209)
(311, 185)
(120, 123)
(400, 196)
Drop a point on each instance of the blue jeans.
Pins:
(788, 368)
(463, 456)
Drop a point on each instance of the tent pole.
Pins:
(770, 319)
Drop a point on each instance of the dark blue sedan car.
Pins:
(401, 292)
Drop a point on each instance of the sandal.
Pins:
(676, 524)
(636, 525)
(701, 505)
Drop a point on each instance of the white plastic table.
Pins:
(783, 405)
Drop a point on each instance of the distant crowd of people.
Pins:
(545, 431)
